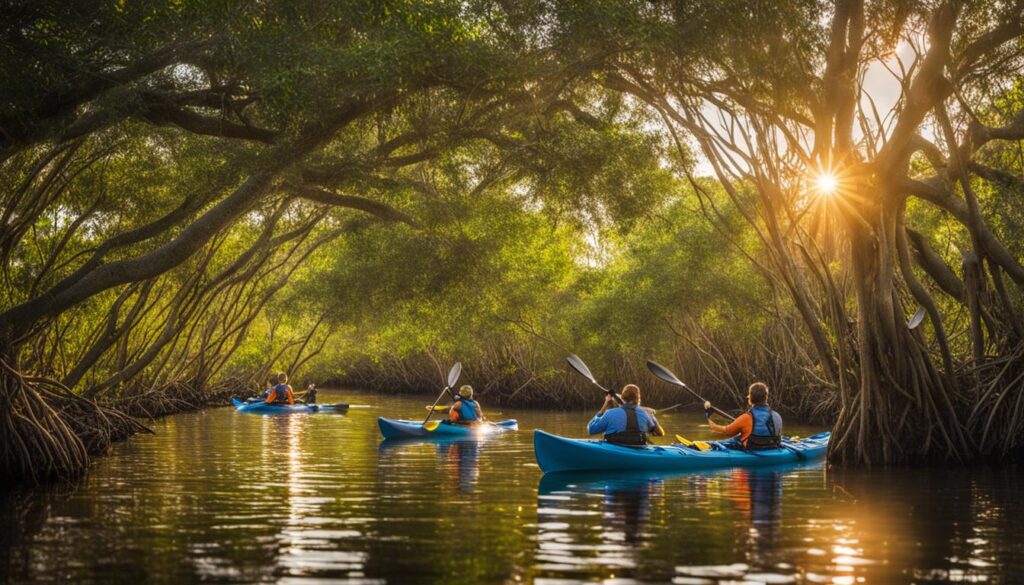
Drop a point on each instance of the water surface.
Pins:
(221, 497)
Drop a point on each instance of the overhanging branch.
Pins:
(381, 210)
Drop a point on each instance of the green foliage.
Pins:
(550, 208)
(502, 273)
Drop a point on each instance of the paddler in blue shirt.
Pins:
(628, 424)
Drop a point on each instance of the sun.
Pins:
(826, 183)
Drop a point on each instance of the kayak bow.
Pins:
(556, 454)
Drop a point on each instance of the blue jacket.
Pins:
(614, 421)
(761, 415)
(466, 408)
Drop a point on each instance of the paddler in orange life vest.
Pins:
(758, 428)
(282, 392)
(466, 411)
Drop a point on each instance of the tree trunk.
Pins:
(901, 410)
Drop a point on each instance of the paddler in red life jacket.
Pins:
(628, 424)
(466, 411)
(758, 428)
(282, 392)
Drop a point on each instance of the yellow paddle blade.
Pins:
(439, 408)
(701, 445)
(430, 426)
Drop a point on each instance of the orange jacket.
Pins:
(743, 425)
(288, 395)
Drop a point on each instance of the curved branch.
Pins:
(22, 129)
(197, 124)
(997, 176)
(935, 266)
(16, 321)
(381, 210)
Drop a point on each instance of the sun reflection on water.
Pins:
(221, 497)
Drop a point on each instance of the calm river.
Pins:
(221, 497)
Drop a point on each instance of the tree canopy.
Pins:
(196, 194)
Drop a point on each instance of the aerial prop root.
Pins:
(174, 397)
(47, 433)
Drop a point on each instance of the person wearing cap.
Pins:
(465, 411)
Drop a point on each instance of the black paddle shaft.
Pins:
(664, 374)
(581, 368)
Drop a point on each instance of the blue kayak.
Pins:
(395, 429)
(260, 407)
(556, 454)
(582, 482)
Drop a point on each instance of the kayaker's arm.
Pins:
(599, 423)
(658, 431)
(741, 426)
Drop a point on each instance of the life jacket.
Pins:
(767, 428)
(466, 413)
(281, 396)
(632, 436)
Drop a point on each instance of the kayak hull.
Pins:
(603, 481)
(264, 408)
(559, 454)
(397, 429)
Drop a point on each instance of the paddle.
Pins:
(453, 377)
(662, 372)
(581, 368)
(916, 319)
